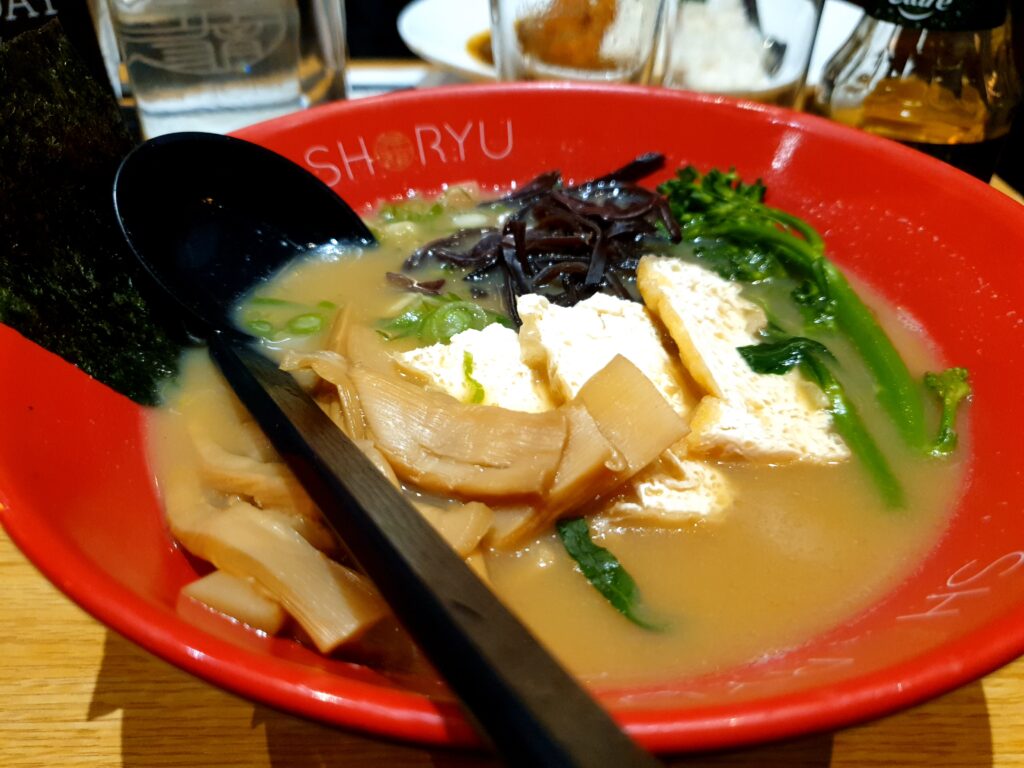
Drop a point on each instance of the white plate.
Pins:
(439, 30)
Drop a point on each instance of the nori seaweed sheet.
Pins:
(67, 278)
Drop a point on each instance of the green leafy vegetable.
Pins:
(952, 386)
(780, 354)
(741, 238)
(435, 320)
(476, 389)
(603, 570)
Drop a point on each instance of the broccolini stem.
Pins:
(778, 354)
(895, 389)
(809, 233)
(799, 253)
(849, 425)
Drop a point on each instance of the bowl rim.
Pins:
(406, 715)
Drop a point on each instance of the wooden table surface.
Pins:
(73, 693)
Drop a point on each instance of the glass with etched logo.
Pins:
(595, 40)
(218, 65)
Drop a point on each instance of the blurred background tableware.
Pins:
(1011, 162)
(939, 78)
(461, 44)
(746, 48)
(220, 65)
(610, 41)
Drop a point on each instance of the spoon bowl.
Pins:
(211, 216)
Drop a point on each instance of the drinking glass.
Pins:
(218, 65)
(595, 40)
(755, 49)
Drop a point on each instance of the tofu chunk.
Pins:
(574, 343)
(760, 417)
(495, 354)
(675, 491)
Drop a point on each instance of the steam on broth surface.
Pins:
(800, 549)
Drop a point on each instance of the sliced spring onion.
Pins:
(306, 324)
(476, 389)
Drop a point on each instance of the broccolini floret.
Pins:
(952, 386)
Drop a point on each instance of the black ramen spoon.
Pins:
(209, 217)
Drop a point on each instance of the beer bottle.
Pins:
(937, 75)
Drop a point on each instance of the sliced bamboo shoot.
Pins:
(341, 326)
(364, 348)
(473, 451)
(510, 524)
(331, 367)
(270, 484)
(237, 598)
(611, 438)
(461, 525)
(590, 467)
(590, 464)
(374, 455)
(477, 563)
(331, 603)
(631, 413)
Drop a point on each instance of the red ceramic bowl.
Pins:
(77, 496)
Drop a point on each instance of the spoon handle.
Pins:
(531, 708)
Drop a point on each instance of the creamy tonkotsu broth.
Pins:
(800, 549)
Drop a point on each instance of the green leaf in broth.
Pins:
(603, 570)
(780, 354)
(408, 323)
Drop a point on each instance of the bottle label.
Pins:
(951, 15)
